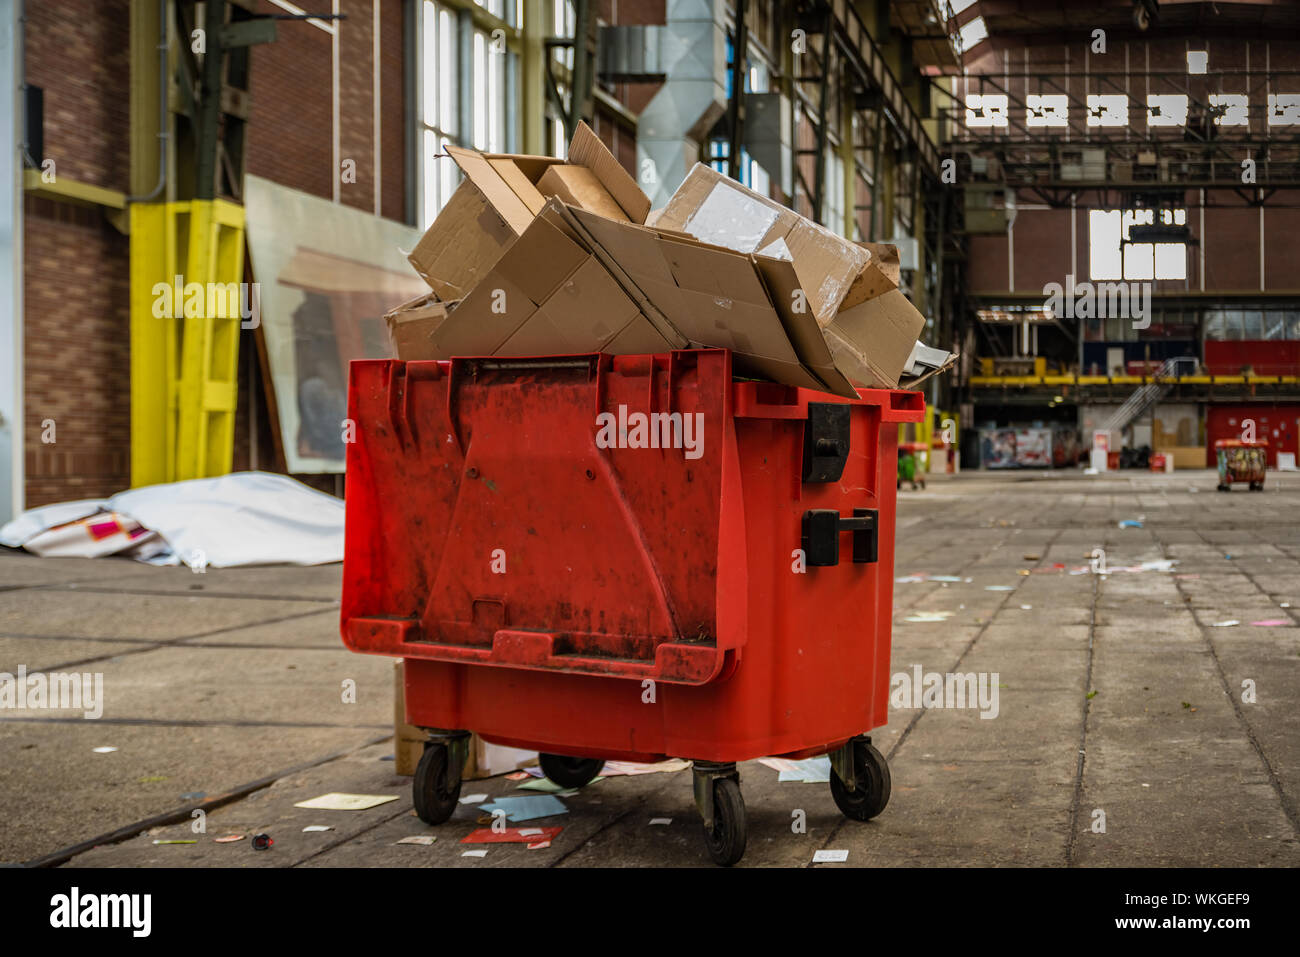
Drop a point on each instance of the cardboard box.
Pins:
(576, 282)
(484, 760)
(549, 295)
(462, 245)
(714, 209)
(497, 202)
(578, 186)
(412, 323)
(1184, 456)
(794, 303)
(408, 740)
(872, 341)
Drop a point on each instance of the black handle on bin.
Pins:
(821, 535)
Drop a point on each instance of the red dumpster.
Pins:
(627, 557)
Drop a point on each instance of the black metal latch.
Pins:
(825, 441)
(821, 535)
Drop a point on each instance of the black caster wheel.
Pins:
(726, 840)
(1257, 486)
(872, 792)
(570, 772)
(434, 792)
(1223, 488)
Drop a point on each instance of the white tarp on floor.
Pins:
(248, 518)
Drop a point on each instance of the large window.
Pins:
(439, 106)
(464, 91)
(1252, 324)
(1112, 256)
(756, 81)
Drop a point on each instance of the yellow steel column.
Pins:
(210, 340)
(153, 344)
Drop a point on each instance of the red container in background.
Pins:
(1278, 425)
(624, 602)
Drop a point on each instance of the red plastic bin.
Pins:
(622, 558)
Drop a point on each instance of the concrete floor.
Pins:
(1117, 694)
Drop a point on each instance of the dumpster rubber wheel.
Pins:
(1223, 488)
(726, 840)
(1257, 486)
(570, 772)
(434, 799)
(872, 793)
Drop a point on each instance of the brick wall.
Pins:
(76, 329)
(290, 127)
(76, 353)
(76, 283)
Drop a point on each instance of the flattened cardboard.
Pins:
(486, 318)
(478, 170)
(579, 221)
(412, 323)
(496, 203)
(462, 246)
(577, 282)
(807, 339)
(880, 275)
(584, 314)
(826, 264)
(871, 342)
(885, 256)
(519, 184)
(587, 150)
(539, 265)
(579, 186)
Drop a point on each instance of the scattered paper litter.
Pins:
(538, 845)
(829, 857)
(526, 807)
(228, 839)
(104, 750)
(519, 775)
(929, 616)
(1161, 565)
(808, 771)
(422, 839)
(660, 820)
(1271, 622)
(473, 798)
(1225, 624)
(474, 854)
(317, 827)
(999, 587)
(1130, 523)
(336, 801)
(176, 842)
(615, 768)
(511, 835)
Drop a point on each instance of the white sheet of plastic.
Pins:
(32, 522)
(777, 249)
(729, 218)
(248, 518)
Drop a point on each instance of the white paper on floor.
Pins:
(248, 518)
(808, 771)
